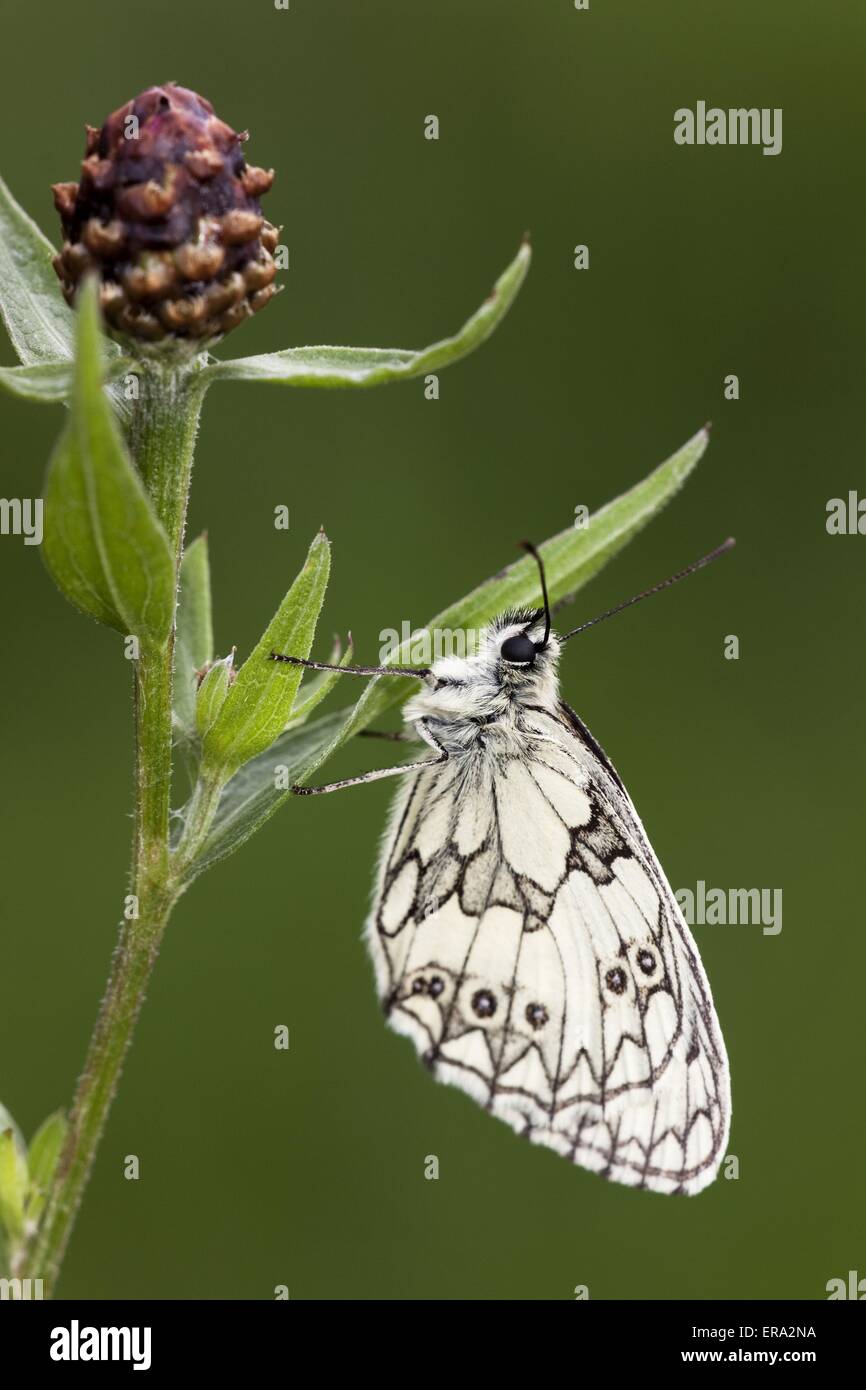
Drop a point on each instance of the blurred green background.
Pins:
(306, 1168)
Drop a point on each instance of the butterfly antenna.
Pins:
(656, 588)
(530, 548)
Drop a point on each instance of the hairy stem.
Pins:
(162, 438)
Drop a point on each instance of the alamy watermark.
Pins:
(853, 1287)
(20, 1290)
(427, 645)
(744, 907)
(22, 516)
(77, 1343)
(713, 125)
(846, 516)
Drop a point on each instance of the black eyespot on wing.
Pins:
(646, 961)
(536, 1015)
(519, 650)
(434, 986)
(483, 1003)
(616, 980)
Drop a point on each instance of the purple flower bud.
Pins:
(167, 214)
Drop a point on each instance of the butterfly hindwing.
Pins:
(526, 939)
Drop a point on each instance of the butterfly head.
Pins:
(515, 664)
(521, 644)
(467, 699)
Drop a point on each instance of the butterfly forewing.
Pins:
(525, 937)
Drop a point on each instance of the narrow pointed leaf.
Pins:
(44, 1152)
(571, 558)
(45, 1148)
(13, 1184)
(103, 544)
(194, 640)
(347, 366)
(37, 318)
(53, 381)
(260, 701)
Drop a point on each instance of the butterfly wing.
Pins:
(526, 939)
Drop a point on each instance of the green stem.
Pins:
(162, 439)
(197, 822)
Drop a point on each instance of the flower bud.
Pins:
(213, 686)
(167, 214)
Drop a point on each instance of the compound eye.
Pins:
(519, 649)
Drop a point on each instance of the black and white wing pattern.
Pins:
(526, 939)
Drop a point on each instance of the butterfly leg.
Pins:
(378, 773)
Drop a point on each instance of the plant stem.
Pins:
(162, 438)
(198, 818)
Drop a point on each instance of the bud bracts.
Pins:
(167, 214)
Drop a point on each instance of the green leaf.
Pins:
(38, 320)
(345, 366)
(53, 381)
(260, 701)
(45, 1148)
(13, 1184)
(103, 544)
(256, 791)
(571, 559)
(315, 688)
(194, 640)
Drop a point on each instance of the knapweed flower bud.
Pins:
(213, 686)
(167, 214)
